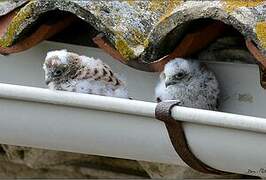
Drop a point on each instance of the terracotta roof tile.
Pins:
(136, 30)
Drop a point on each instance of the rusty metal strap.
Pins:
(178, 139)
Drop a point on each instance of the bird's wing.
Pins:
(100, 71)
(107, 75)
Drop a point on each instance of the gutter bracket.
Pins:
(178, 139)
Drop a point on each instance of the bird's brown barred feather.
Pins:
(101, 71)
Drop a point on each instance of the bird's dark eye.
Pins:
(58, 72)
(180, 75)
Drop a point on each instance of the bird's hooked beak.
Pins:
(48, 79)
(169, 82)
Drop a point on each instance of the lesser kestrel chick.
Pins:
(68, 71)
(190, 82)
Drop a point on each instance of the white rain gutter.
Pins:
(219, 119)
(127, 129)
(139, 108)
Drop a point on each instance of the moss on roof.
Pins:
(133, 27)
(261, 33)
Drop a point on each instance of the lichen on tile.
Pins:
(122, 46)
(232, 5)
(261, 33)
(16, 23)
(136, 27)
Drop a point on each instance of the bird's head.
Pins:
(177, 71)
(60, 66)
